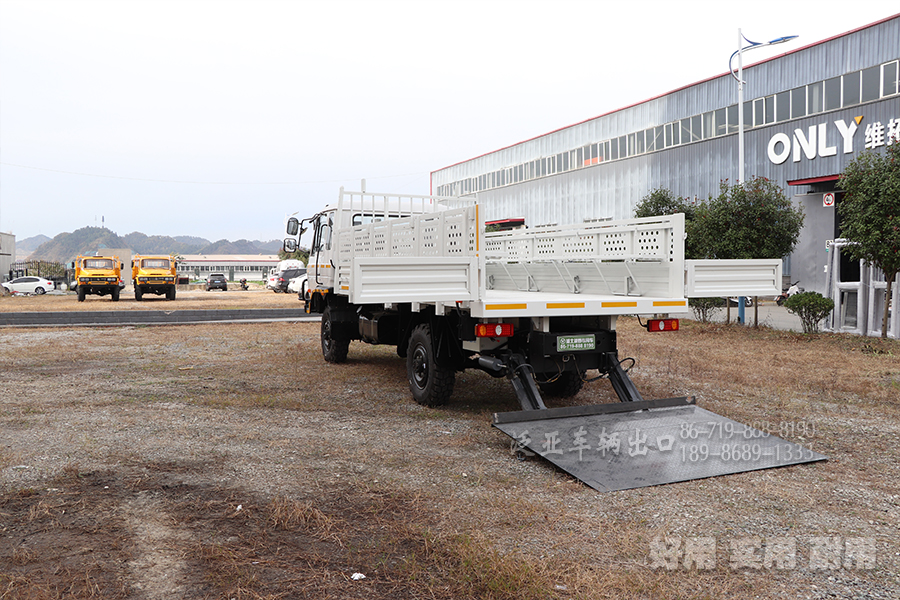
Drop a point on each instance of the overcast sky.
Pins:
(218, 118)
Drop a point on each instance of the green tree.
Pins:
(811, 307)
(870, 214)
(298, 254)
(750, 220)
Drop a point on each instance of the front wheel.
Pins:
(170, 293)
(81, 294)
(431, 384)
(334, 346)
(115, 294)
(138, 293)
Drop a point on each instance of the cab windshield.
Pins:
(98, 263)
(155, 263)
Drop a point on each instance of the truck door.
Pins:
(322, 254)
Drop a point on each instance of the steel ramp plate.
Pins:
(615, 447)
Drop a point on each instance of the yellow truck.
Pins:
(154, 275)
(99, 275)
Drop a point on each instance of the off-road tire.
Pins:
(81, 293)
(170, 293)
(138, 293)
(115, 294)
(431, 384)
(566, 385)
(334, 348)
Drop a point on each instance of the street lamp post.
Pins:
(740, 79)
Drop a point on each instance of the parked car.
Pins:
(271, 280)
(29, 285)
(283, 279)
(298, 285)
(216, 281)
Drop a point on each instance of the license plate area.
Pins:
(582, 342)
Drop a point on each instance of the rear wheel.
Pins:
(39, 290)
(334, 346)
(566, 385)
(430, 383)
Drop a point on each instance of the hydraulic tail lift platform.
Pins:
(646, 442)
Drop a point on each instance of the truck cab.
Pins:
(154, 275)
(98, 275)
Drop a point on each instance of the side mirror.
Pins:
(293, 226)
(290, 245)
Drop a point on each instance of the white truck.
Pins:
(538, 306)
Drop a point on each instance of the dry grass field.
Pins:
(230, 461)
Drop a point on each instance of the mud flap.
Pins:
(652, 442)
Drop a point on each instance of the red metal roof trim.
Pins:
(813, 180)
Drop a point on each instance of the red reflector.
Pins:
(662, 325)
(493, 330)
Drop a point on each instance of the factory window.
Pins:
(685, 127)
(759, 111)
(732, 119)
(871, 84)
(636, 143)
(623, 148)
(651, 145)
(814, 97)
(770, 109)
(673, 134)
(798, 102)
(851, 89)
(832, 93)
(659, 138)
(696, 128)
(782, 106)
(889, 79)
(748, 114)
(720, 124)
(709, 121)
(614, 150)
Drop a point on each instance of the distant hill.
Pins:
(89, 240)
(86, 240)
(162, 244)
(226, 247)
(30, 244)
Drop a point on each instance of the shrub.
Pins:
(705, 309)
(811, 307)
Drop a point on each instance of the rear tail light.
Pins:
(493, 330)
(662, 325)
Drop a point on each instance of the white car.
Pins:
(29, 285)
(298, 285)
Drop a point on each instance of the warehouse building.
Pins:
(807, 114)
(254, 267)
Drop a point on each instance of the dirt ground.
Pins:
(230, 461)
